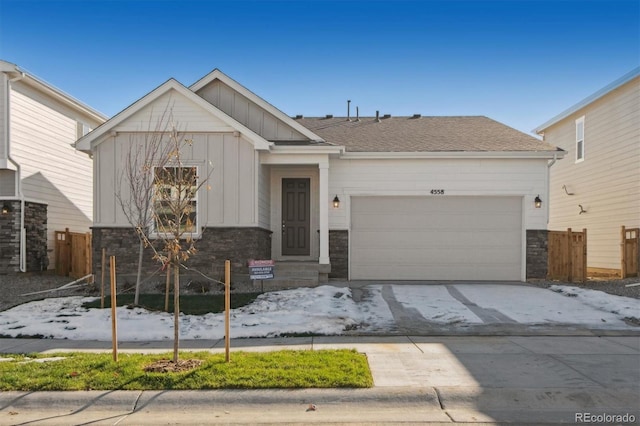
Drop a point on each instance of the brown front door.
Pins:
(296, 217)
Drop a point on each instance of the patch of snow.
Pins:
(435, 304)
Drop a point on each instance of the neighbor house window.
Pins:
(175, 200)
(580, 139)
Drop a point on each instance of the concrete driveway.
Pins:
(464, 308)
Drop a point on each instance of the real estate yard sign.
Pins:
(261, 269)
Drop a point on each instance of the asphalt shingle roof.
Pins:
(423, 134)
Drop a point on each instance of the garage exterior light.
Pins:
(538, 202)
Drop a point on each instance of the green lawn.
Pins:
(247, 370)
(198, 304)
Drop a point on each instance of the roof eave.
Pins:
(588, 100)
(89, 141)
(550, 154)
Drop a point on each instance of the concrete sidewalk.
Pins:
(422, 380)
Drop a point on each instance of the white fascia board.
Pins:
(307, 149)
(88, 142)
(219, 75)
(450, 154)
(588, 100)
(294, 159)
(52, 91)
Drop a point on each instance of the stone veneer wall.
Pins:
(216, 245)
(339, 254)
(35, 222)
(10, 238)
(537, 253)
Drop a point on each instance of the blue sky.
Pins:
(518, 62)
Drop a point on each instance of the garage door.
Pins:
(436, 238)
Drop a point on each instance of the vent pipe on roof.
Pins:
(348, 110)
(357, 113)
(377, 116)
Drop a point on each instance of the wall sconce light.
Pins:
(538, 202)
(6, 209)
(336, 202)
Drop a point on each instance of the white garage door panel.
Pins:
(436, 238)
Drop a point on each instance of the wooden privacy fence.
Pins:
(629, 252)
(73, 253)
(567, 255)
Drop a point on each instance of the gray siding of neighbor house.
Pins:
(607, 182)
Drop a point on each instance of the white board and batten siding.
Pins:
(52, 171)
(607, 182)
(228, 199)
(248, 113)
(398, 227)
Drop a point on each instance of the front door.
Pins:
(296, 217)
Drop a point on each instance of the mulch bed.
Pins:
(168, 366)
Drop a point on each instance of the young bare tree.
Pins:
(158, 195)
(136, 185)
(174, 215)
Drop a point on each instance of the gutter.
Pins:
(23, 235)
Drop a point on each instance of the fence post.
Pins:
(623, 254)
(570, 255)
(584, 255)
(104, 260)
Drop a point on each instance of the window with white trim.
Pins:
(580, 139)
(175, 200)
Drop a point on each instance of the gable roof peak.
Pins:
(216, 74)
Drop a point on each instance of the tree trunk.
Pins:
(167, 286)
(176, 311)
(136, 297)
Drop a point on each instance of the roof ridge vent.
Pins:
(328, 116)
(386, 116)
(299, 116)
(416, 116)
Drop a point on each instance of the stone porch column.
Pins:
(324, 213)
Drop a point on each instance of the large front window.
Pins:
(175, 200)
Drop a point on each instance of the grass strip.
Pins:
(247, 370)
(199, 304)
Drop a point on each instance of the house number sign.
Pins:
(437, 192)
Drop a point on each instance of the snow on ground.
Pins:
(546, 307)
(324, 310)
(435, 304)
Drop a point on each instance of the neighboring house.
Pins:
(597, 187)
(45, 184)
(394, 198)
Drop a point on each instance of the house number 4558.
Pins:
(437, 192)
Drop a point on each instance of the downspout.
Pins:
(23, 235)
(551, 163)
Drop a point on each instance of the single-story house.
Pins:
(357, 198)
